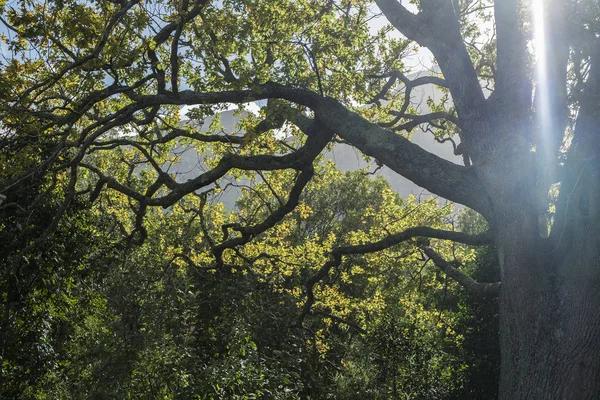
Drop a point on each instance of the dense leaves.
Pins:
(123, 275)
(108, 318)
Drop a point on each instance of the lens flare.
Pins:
(541, 78)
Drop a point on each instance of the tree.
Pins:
(119, 320)
(82, 79)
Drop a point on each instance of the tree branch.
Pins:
(513, 83)
(389, 241)
(416, 120)
(481, 239)
(249, 232)
(470, 284)
(437, 28)
(439, 176)
(296, 160)
(409, 85)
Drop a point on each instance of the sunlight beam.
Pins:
(542, 112)
(541, 78)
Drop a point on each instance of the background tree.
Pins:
(120, 320)
(83, 79)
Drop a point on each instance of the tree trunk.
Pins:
(550, 296)
(550, 325)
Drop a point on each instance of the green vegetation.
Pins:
(120, 279)
(109, 319)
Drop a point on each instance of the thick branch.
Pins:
(410, 25)
(390, 241)
(470, 284)
(438, 29)
(248, 232)
(439, 176)
(513, 84)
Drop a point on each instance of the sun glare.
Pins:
(539, 45)
(538, 25)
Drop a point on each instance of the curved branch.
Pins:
(470, 284)
(437, 28)
(297, 160)
(389, 241)
(416, 120)
(408, 83)
(439, 176)
(248, 232)
(176, 133)
(481, 239)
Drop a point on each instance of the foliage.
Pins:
(120, 278)
(124, 320)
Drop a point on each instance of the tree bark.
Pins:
(550, 324)
(550, 294)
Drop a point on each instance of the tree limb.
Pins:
(437, 28)
(389, 241)
(439, 176)
(513, 83)
(470, 284)
(249, 232)
(416, 120)
(296, 160)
